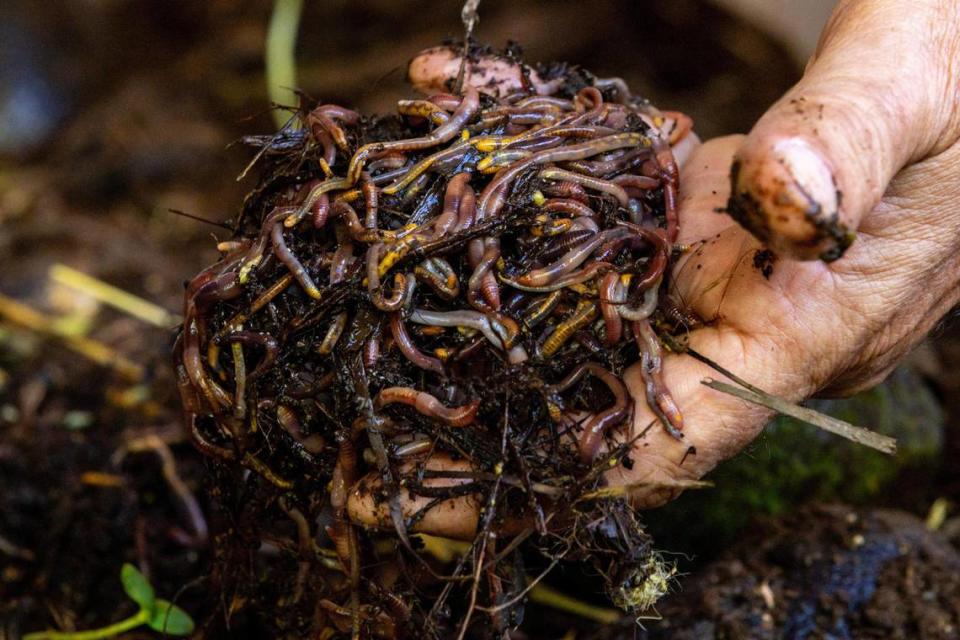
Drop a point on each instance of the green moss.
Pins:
(792, 463)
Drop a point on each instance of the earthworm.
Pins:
(541, 308)
(342, 258)
(262, 300)
(645, 309)
(414, 448)
(446, 101)
(393, 160)
(546, 226)
(260, 340)
(568, 189)
(592, 270)
(619, 162)
(482, 280)
(465, 111)
(423, 109)
(568, 206)
(287, 419)
(320, 211)
(349, 216)
(420, 169)
(580, 131)
(570, 261)
(671, 173)
(222, 288)
(370, 200)
(537, 144)
(537, 114)
(440, 276)
(373, 266)
(597, 184)
(326, 115)
(642, 183)
(467, 212)
(344, 474)
(659, 399)
(498, 159)
(296, 268)
(612, 294)
(328, 146)
(326, 186)
(492, 198)
(658, 263)
(452, 198)
(388, 176)
(413, 190)
(428, 405)
(239, 383)
(405, 343)
(403, 285)
(347, 116)
(590, 97)
(560, 103)
(193, 364)
(333, 333)
(371, 350)
(583, 315)
(203, 444)
(600, 423)
(500, 332)
(576, 235)
(326, 124)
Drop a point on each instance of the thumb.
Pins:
(878, 94)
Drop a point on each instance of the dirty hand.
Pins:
(852, 180)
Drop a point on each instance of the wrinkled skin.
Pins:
(876, 119)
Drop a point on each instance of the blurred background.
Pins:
(113, 113)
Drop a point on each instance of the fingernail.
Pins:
(786, 196)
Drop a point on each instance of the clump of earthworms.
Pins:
(421, 324)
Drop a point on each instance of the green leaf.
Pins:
(170, 619)
(137, 587)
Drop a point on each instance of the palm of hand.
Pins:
(801, 328)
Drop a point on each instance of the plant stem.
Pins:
(25, 316)
(114, 296)
(281, 67)
(134, 621)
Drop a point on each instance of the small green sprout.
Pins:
(158, 614)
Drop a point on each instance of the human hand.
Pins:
(866, 146)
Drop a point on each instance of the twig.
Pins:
(623, 491)
(846, 430)
(759, 396)
(523, 594)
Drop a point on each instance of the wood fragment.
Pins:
(836, 426)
